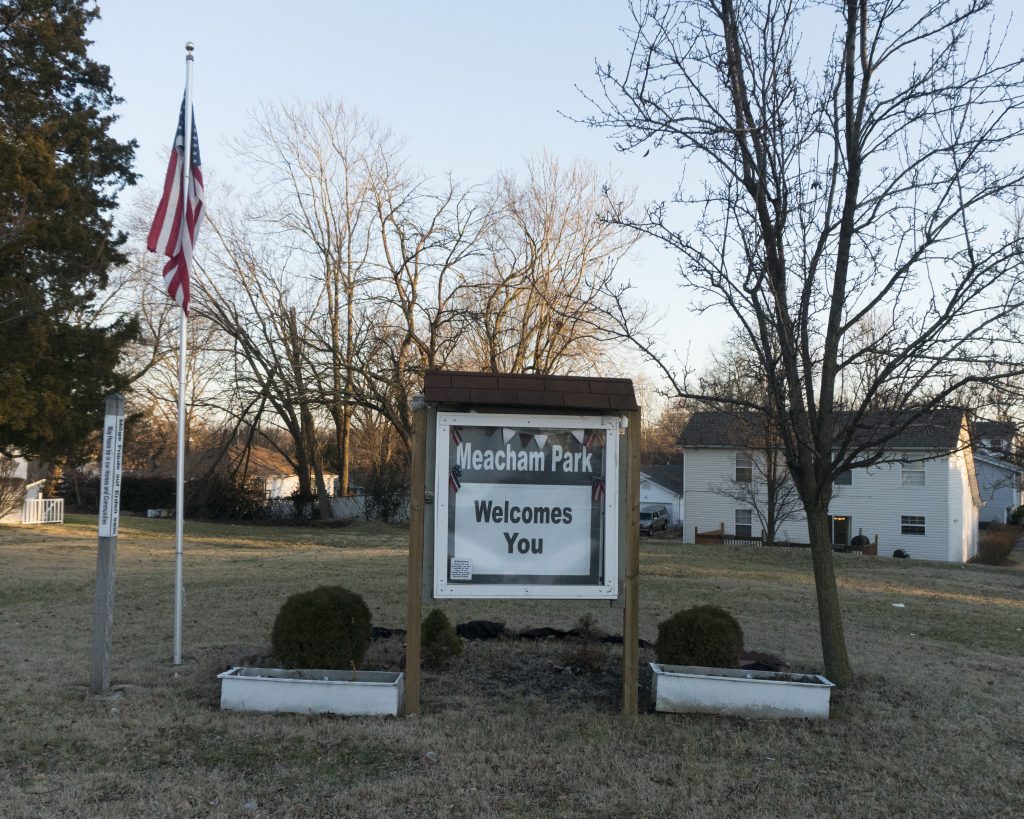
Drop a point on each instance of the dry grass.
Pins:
(934, 725)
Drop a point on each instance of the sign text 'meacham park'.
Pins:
(525, 506)
(508, 460)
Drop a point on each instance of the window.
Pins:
(744, 523)
(913, 473)
(843, 479)
(744, 468)
(912, 524)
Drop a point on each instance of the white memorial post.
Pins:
(110, 506)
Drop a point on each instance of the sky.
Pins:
(475, 87)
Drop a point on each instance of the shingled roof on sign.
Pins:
(534, 391)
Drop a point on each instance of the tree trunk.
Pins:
(326, 512)
(346, 439)
(309, 431)
(830, 621)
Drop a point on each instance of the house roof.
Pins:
(721, 429)
(995, 429)
(538, 391)
(669, 476)
(935, 429)
(997, 462)
(263, 462)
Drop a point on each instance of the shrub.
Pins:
(387, 490)
(12, 488)
(328, 627)
(440, 642)
(996, 542)
(212, 497)
(219, 497)
(1017, 516)
(703, 635)
(306, 504)
(585, 651)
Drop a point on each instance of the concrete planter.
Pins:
(312, 691)
(741, 693)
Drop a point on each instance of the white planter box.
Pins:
(312, 691)
(738, 692)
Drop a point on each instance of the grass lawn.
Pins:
(934, 725)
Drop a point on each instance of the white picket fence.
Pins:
(43, 510)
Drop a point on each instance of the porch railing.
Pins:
(43, 510)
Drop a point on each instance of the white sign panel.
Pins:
(526, 506)
(110, 475)
(507, 529)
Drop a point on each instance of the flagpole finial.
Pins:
(190, 47)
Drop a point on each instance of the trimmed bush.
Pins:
(328, 627)
(703, 636)
(440, 642)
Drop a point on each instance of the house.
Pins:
(923, 498)
(1000, 478)
(663, 485)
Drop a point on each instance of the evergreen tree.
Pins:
(60, 173)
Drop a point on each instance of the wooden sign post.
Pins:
(525, 487)
(414, 612)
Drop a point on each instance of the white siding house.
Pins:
(999, 475)
(925, 501)
(663, 486)
(999, 483)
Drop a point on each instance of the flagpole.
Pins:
(179, 523)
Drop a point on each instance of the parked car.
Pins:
(653, 519)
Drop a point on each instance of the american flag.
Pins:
(455, 478)
(176, 223)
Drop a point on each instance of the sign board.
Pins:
(526, 506)
(110, 472)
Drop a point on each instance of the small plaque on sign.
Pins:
(461, 569)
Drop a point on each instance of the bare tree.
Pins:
(863, 175)
(428, 238)
(346, 274)
(318, 164)
(12, 488)
(732, 381)
(264, 319)
(549, 260)
(149, 362)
